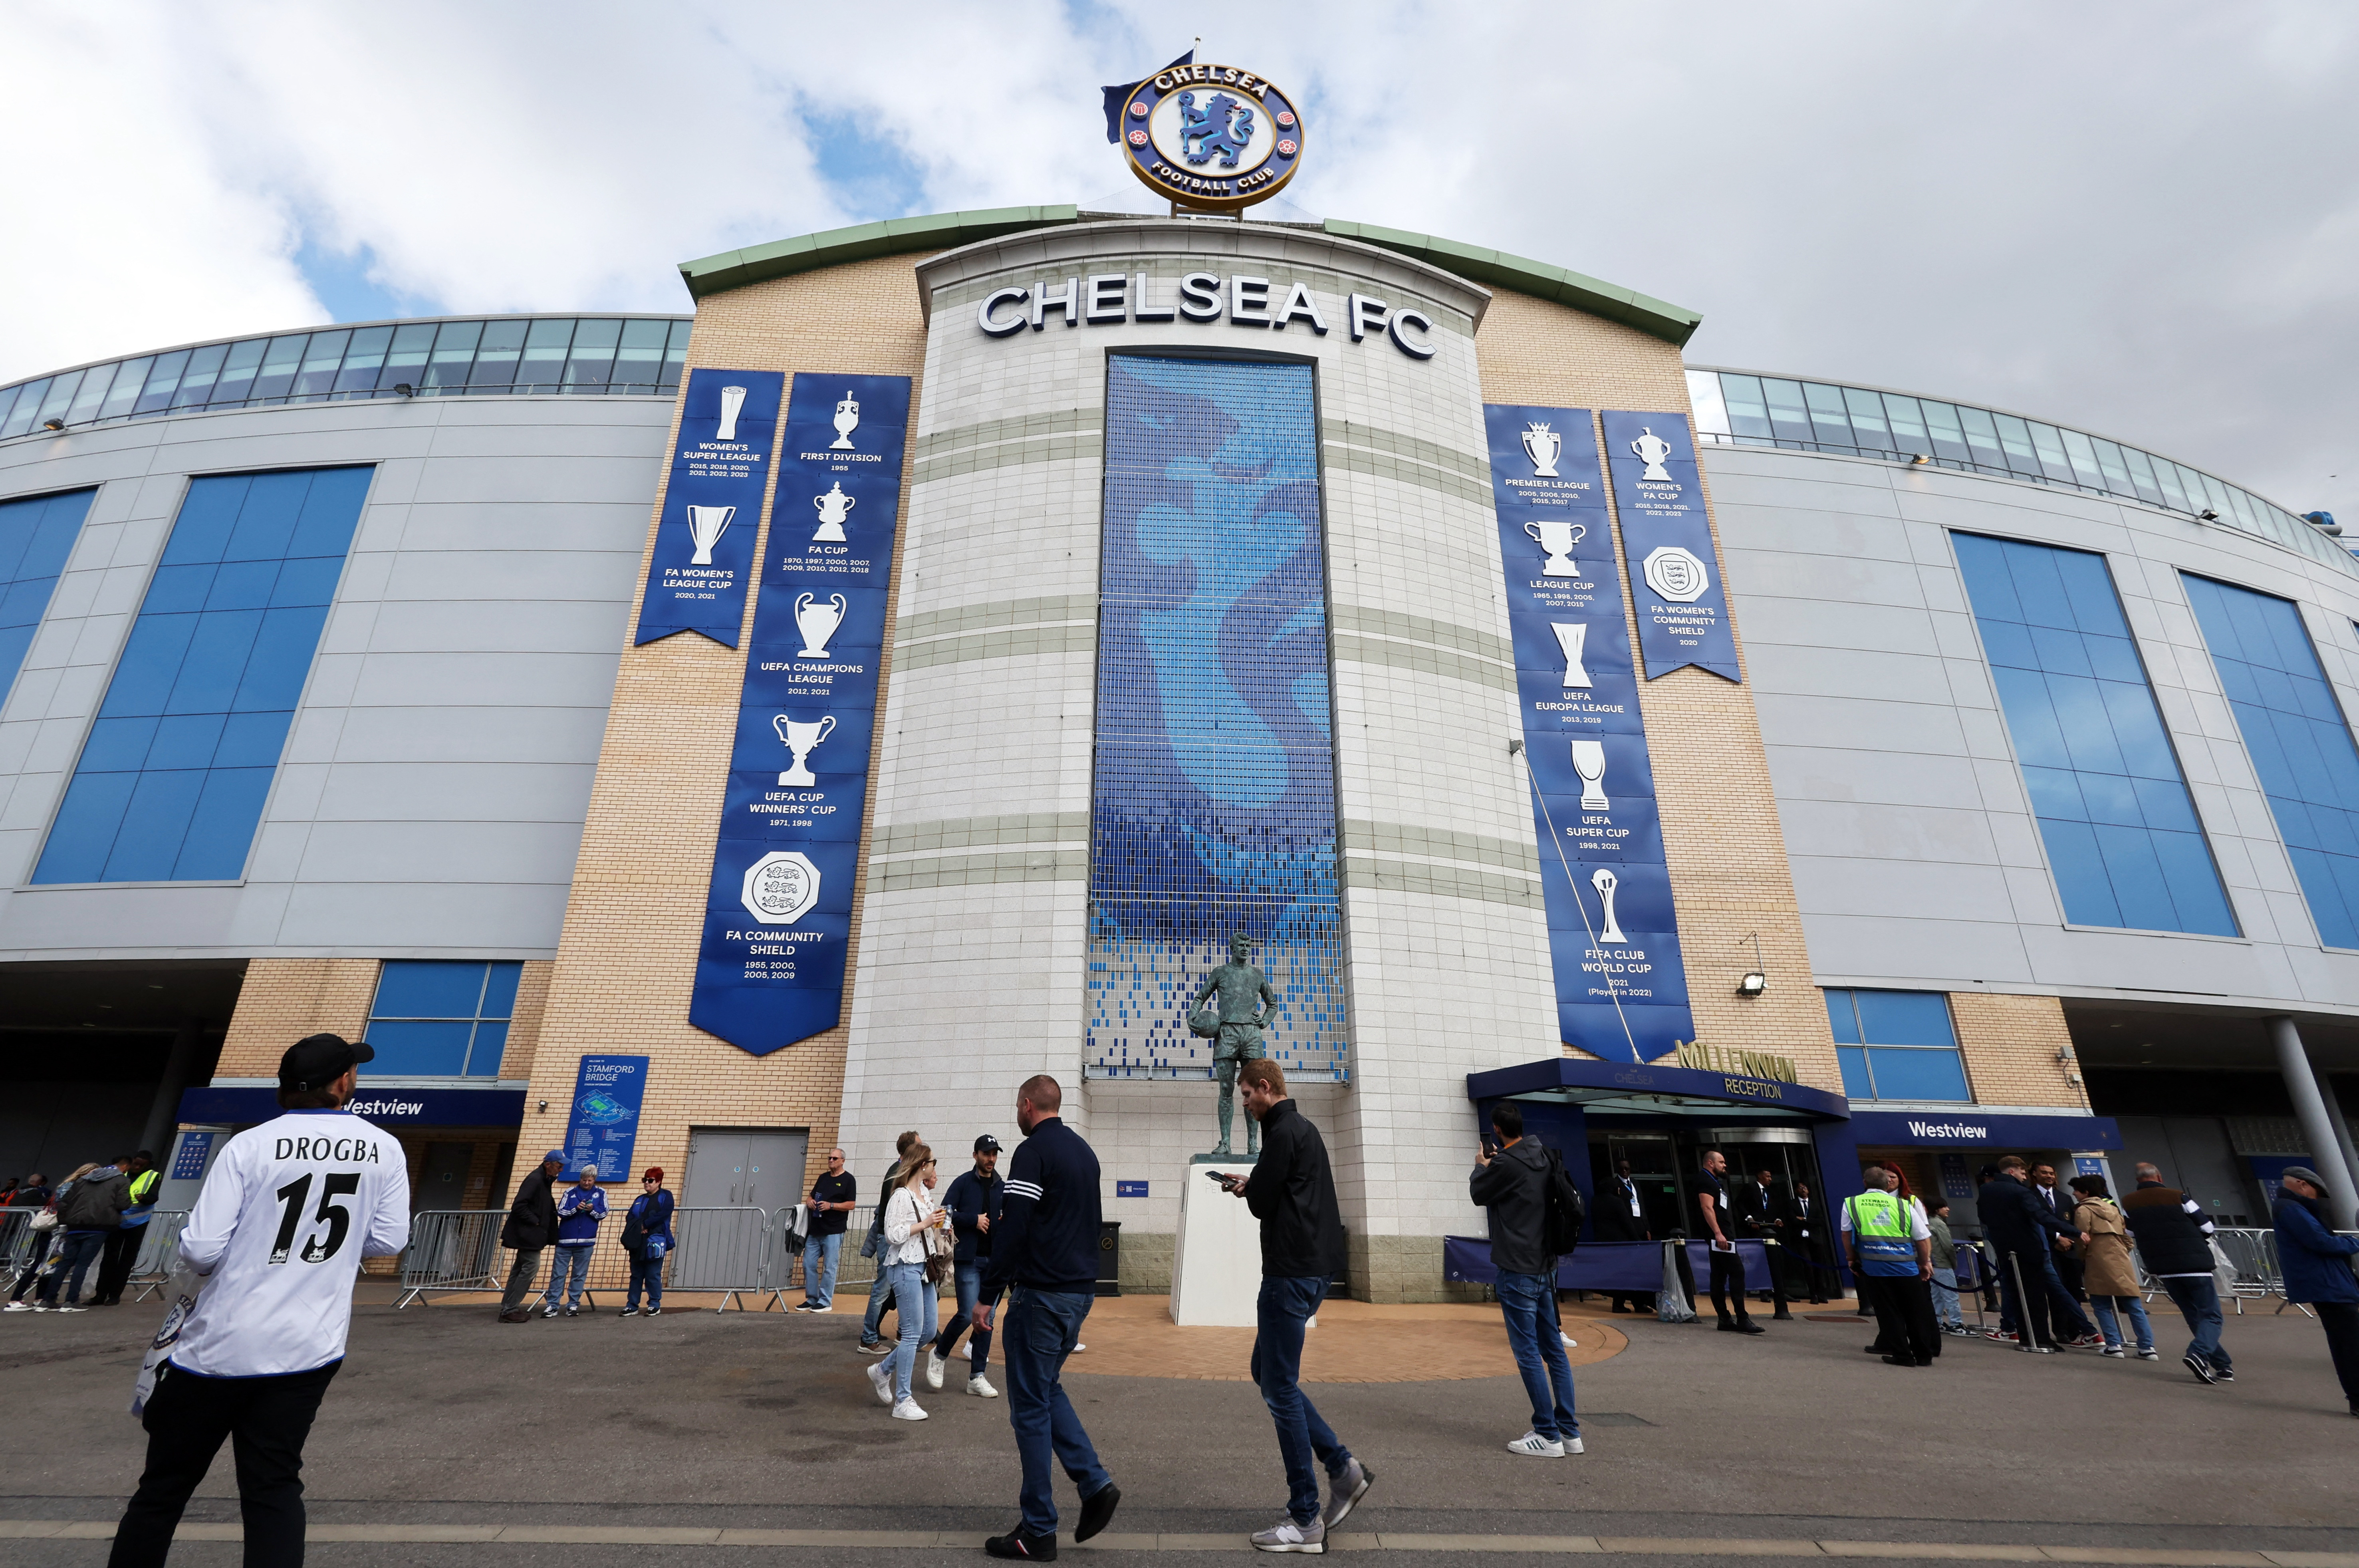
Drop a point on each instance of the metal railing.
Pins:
(20, 1244)
(733, 1251)
(159, 1251)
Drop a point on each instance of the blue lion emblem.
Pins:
(1223, 125)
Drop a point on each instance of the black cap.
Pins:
(986, 1144)
(319, 1059)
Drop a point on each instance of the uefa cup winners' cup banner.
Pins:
(1683, 605)
(778, 917)
(1621, 991)
(712, 506)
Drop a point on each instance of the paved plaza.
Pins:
(708, 1438)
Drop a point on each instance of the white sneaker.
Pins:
(880, 1377)
(1532, 1445)
(1569, 1343)
(934, 1364)
(980, 1387)
(1573, 1445)
(907, 1410)
(69, 1309)
(1288, 1536)
(18, 1307)
(1079, 1348)
(549, 1311)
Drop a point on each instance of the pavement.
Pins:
(708, 1438)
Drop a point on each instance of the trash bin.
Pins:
(1109, 1257)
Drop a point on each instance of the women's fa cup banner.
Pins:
(777, 921)
(712, 506)
(1682, 602)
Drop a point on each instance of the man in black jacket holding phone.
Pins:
(1512, 1183)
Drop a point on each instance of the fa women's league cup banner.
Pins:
(778, 919)
(1683, 605)
(1621, 990)
(712, 506)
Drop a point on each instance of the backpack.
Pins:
(1561, 1230)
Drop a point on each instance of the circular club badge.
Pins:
(1212, 137)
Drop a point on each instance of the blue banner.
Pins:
(778, 919)
(712, 506)
(1621, 991)
(602, 1128)
(385, 1107)
(1683, 605)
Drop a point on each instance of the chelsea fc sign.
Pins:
(1212, 137)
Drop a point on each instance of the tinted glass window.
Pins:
(1896, 1045)
(434, 1019)
(36, 534)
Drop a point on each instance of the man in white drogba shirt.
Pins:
(287, 1212)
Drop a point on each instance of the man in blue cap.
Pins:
(530, 1230)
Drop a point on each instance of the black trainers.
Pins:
(1097, 1509)
(1022, 1547)
(2201, 1367)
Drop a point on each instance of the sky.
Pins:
(2139, 219)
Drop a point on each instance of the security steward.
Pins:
(1892, 1253)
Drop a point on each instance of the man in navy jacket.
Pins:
(2317, 1264)
(2020, 1227)
(973, 1203)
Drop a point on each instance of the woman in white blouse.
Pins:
(911, 1213)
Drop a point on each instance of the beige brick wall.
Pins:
(626, 961)
(1720, 835)
(2011, 1044)
(284, 999)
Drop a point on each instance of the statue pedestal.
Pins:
(1216, 1268)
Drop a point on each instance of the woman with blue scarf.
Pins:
(646, 1236)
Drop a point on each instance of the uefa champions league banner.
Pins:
(712, 506)
(778, 919)
(1621, 990)
(1682, 606)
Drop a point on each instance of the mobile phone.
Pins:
(1490, 1145)
(1220, 1176)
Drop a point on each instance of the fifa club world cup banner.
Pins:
(779, 919)
(1682, 608)
(1621, 990)
(712, 506)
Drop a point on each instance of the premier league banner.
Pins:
(779, 919)
(1620, 989)
(712, 506)
(1682, 608)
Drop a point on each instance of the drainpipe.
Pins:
(2309, 1109)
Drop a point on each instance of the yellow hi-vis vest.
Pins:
(1882, 1223)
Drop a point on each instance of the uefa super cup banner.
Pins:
(1620, 987)
(712, 506)
(1682, 608)
(779, 919)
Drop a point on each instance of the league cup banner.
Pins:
(1683, 605)
(602, 1128)
(712, 506)
(1612, 935)
(778, 919)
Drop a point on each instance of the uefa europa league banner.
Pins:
(712, 506)
(778, 917)
(1682, 608)
(1620, 987)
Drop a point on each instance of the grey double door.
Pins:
(734, 1169)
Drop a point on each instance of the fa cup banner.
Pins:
(712, 506)
(1682, 606)
(778, 917)
(1621, 991)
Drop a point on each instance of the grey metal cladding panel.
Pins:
(530, 576)
(1856, 725)
(1914, 948)
(1815, 623)
(535, 733)
(1899, 889)
(1929, 833)
(641, 440)
(486, 679)
(2146, 961)
(456, 792)
(529, 478)
(1840, 579)
(464, 852)
(416, 917)
(497, 627)
(142, 917)
(1820, 487)
(1811, 531)
(1875, 775)
(1783, 668)
(617, 525)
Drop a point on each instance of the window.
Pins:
(1896, 1045)
(2105, 783)
(440, 1020)
(171, 784)
(36, 536)
(2301, 744)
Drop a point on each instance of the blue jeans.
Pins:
(1945, 1299)
(820, 1254)
(76, 1253)
(1039, 1331)
(573, 1261)
(2111, 1328)
(1537, 1336)
(914, 1299)
(1284, 1307)
(2198, 1299)
(647, 1271)
(970, 1291)
(880, 1292)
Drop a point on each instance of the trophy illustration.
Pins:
(1589, 761)
(732, 400)
(816, 622)
(705, 525)
(1557, 539)
(833, 507)
(847, 420)
(1651, 448)
(800, 738)
(1570, 636)
(1543, 446)
(1604, 881)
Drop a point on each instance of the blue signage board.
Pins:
(1675, 572)
(189, 1161)
(777, 923)
(242, 1105)
(1966, 1127)
(1621, 990)
(712, 506)
(1130, 1189)
(602, 1128)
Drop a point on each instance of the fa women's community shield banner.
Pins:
(712, 506)
(779, 919)
(1620, 987)
(1682, 606)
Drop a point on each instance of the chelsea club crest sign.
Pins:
(1212, 137)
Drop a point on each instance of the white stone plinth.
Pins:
(1216, 1270)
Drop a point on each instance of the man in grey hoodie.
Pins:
(1513, 1183)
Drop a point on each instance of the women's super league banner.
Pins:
(712, 506)
(1621, 990)
(1682, 606)
(779, 919)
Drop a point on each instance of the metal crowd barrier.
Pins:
(451, 1249)
(731, 1251)
(159, 1252)
(20, 1244)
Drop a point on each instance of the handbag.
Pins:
(46, 1220)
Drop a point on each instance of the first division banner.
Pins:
(777, 919)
